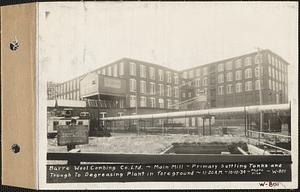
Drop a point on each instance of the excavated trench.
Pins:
(208, 148)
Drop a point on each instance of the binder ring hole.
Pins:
(14, 45)
(15, 148)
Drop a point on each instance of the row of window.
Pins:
(238, 63)
(152, 71)
(197, 82)
(152, 88)
(239, 87)
(113, 70)
(201, 71)
(72, 96)
(228, 65)
(152, 102)
(275, 86)
(277, 63)
(238, 75)
(276, 74)
(68, 86)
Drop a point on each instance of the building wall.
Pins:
(198, 81)
(123, 69)
(221, 95)
(142, 77)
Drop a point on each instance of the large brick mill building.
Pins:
(129, 86)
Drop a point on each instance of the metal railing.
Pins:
(269, 139)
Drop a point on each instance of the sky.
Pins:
(78, 37)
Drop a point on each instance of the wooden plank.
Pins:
(18, 94)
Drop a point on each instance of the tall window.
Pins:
(248, 61)
(121, 68)
(257, 85)
(109, 72)
(152, 88)
(248, 73)
(205, 81)
(152, 102)
(248, 86)
(273, 61)
(220, 67)
(279, 76)
(229, 89)
(132, 68)
(198, 82)
(183, 95)
(238, 63)
(176, 79)
(132, 85)
(115, 70)
(220, 78)
(279, 87)
(229, 76)
(152, 73)
(143, 71)
(176, 92)
(132, 102)
(160, 75)
(228, 65)
(238, 75)
(169, 77)
(142, 86)
(276, 63)
(143, 101)
(238, 87)
(220, 90)
(256, 72)
(161, 103)
(161, 89)
(169, 91)
(270, 84)
(269, 59)
(280, 65)
(103, 71)
(270, 71)
(258, 58)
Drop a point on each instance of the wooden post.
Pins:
(198, 127)
(209, 124)
(203, 126)
(138, 121)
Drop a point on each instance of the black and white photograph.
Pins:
(168, 95)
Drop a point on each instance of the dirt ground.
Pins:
(133, 143)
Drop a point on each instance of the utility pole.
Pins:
(136, 110)
(260, 92)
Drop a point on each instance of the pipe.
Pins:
(232, 110)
